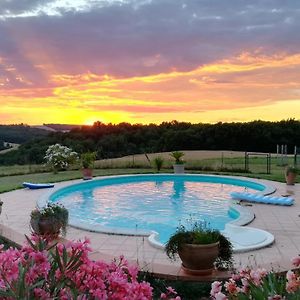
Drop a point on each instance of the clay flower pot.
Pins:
(87, 173)
(198, 259)
(290, 175)
(46, 226)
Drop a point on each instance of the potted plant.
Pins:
(200, 249)
(179, 162)
(50, 221)
(290, 175)
(87, 161)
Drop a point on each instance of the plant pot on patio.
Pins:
(87, 174)
(200, 249)
(179, 163)
(198, 259)
(290, 175)
(49, 221)
(178, 169)
(87, 161)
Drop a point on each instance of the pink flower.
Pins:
(245, 286)
(293, 282)
(216, 287)
(220, 296)
(296, 261)
(231, 287)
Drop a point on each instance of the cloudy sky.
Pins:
(142, 61)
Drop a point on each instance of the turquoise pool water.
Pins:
(141, 204)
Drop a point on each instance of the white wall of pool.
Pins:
(155, 205)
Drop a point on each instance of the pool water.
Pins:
(137, 204)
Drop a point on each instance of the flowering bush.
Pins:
(59, 157)
(38, 271)
(259, 285)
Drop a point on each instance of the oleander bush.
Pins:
(41, 271)
(259, 285)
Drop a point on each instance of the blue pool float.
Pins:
(35, 186)
(262, 199)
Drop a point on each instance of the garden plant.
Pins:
(41, 271)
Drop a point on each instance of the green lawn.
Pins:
(8, 183)
(12, 177)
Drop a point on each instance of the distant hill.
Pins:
(59, 127)
(117, 140)
(20, 134)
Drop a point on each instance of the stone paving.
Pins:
(282, 222)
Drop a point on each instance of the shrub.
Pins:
(158, 163)
(39, 271)
(87, 159)
(177, 155)
(259, 285)
(59, 157)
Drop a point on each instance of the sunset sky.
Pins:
(143, 61)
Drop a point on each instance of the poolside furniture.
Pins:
(259, 198)
(35, 186)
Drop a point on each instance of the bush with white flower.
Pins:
(259, 285)
(59, 157)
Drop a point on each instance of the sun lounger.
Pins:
(262, 199)
(35, 186)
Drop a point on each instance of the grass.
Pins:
(213, 162)
(12, 182)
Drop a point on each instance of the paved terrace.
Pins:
(282, 222)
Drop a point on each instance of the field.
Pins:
(13, 147)
(215, 162)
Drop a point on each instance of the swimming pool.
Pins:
(141, 204)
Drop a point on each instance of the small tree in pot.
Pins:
(87, 161)
(50, 221)
(290, 175)
(179, 162)
(200, 249)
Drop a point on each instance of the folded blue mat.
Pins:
(262, 199)
(35, 186)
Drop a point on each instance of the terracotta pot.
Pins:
(87, 173)
(178, 169)
(198, 259)
(290, 178)
(46, 226)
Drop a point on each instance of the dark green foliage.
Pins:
(158, 163)
(291, 170)
(177, 155)
(111, 140)
(187, 290)
(20, 133)
(200, 235)
(87, 159)
(8, 243)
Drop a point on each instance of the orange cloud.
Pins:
(245, 87)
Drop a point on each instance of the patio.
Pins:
(282, 222)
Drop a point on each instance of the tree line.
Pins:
(116, 140)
